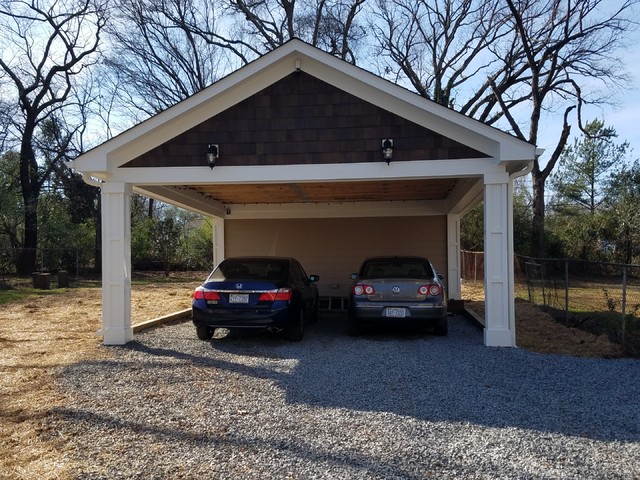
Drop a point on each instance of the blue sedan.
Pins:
(268, 293)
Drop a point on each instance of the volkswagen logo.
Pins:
(396, 290)
(239, 286)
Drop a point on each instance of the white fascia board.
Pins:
(420, 169)
(187, 199)
(337, 210)
(399, 101)
(274, 66)
(188, 114)
(445, 121)
(185, 115)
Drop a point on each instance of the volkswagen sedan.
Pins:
(269, 293)
(397, 290)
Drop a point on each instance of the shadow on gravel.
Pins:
(454, 378)
(458, 379)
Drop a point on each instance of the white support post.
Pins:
(498, 263)
(116, 264)
(453, 257)
(218, 240)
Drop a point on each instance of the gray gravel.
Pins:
(381, 406)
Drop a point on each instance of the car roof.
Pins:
(263, 257)
(396, 258)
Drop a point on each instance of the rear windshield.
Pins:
(251, 269)
(397, 268)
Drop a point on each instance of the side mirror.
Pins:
(314, 278)
(441, 276)
(354, 276)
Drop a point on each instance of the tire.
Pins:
(295, 331)
(441, 328)
(204, 333)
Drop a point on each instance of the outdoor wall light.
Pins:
(213, 152)
(387, 149)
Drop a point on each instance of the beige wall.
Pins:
(334, 247)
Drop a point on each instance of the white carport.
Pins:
(443, 164)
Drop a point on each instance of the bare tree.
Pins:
(510, 64)
(263, 25)
(47, 45)
(158, 57)
(164, 51)
(562, 54)
(439, 46)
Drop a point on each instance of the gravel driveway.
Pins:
(381, 406)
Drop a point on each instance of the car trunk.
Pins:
(396, 290)
(244, 294)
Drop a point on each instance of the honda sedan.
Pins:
(269, 293)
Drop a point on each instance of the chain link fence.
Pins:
(600, 297)
(472, 266)
(75, 261)
(584, 292)
(82, 262)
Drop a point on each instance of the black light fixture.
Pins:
(387, 149)
(213, 152)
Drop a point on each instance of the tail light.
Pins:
(274, 295)
(433, 290)
(361, 289)
(202, 294)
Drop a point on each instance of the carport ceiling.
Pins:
(321, 192)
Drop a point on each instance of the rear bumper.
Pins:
(373, 313)
(241, 319)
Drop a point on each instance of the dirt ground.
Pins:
(38, 335)
(43, 332)
(537, 331)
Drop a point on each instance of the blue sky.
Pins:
(624, 117)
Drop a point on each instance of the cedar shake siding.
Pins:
(303, 120)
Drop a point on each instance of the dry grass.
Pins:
(537, 331)
(41, 333)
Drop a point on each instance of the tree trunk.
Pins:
(30, 194)
(27, 257)
(538, 234)
(539, 177)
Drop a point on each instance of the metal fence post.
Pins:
(542, 281)
(566, 290)
(475, 267)
(624, 303)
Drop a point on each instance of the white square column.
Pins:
(498, 262)
(116, 263)
(218, 240)
(453, 257)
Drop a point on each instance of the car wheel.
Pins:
(353, 327)
(295, 331)
(204, 333)
(442, 327)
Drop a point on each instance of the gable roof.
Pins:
(293, 56)
(302, 120)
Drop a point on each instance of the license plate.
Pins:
(239, 298)
(395, 312)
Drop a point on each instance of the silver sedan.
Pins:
(396, 290)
